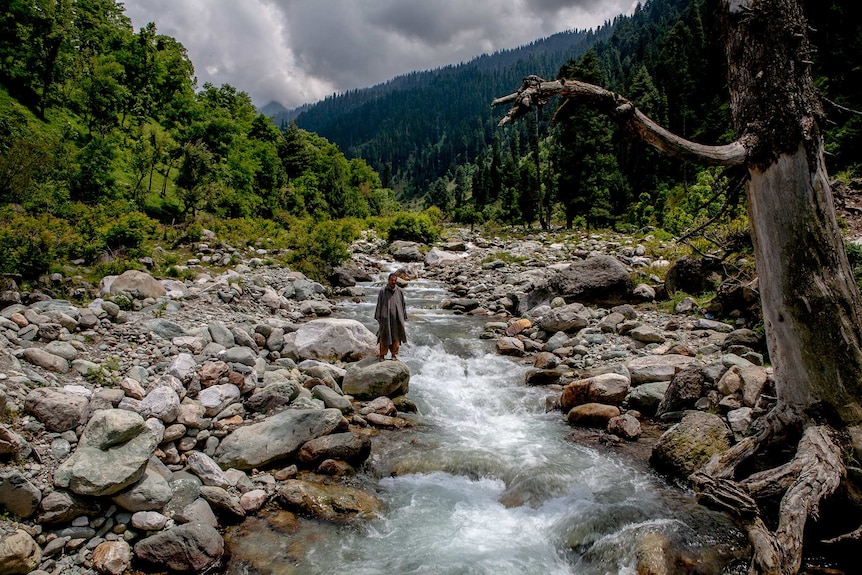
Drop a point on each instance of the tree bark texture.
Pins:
(810, 303)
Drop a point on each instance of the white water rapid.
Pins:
(486, 482)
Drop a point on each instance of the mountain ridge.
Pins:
(420, 125)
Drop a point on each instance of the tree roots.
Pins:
(815, 472)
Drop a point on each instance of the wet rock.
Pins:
(510, 346)
(198, 511)
(385, 421)
(592, 415)
(625, 426)
(350, 447)
(543, 376)
(222, 501)
(253, 500)
(686, 446)
(517, 327)
(607, 388)
(334, 503)
(370, 378)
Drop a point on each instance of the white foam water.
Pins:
(487, 483)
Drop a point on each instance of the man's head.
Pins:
(392, 281)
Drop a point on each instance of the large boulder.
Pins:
(353, 448)
(607, 388)
(571, 317)
(404, 251)
(650, 368)
(58, 409)
(150, 493)
(370, 378)
(275, 438)
(330, 339)
(686, 446)
(17, 494)
(19, 553)
(686, 387)
(600, 280)
(192, 547)
(138, 284)
(592, 415)
(335, 503)
(689, 275)
(112, 454)
(438, 257)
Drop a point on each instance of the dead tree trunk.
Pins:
(812, 308)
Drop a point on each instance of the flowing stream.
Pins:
(486, 482)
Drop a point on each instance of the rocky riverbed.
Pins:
(138, 424)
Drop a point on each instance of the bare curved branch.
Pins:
(536, 91)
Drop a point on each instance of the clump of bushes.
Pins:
(317, 247)
(414, 227)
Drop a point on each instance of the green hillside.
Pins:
(109, 148)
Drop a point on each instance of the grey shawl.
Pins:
(390, 314)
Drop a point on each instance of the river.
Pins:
(486, 482)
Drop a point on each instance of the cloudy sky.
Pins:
(299, 51)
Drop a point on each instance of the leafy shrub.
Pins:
(413, 227)
(251, 231)
(30, 245)
(128, 233)
(191, 234)
(317, 247)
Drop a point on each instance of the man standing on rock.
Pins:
(390, 314)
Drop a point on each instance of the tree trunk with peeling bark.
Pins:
(812, 309)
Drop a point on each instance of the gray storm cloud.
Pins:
(298, 51)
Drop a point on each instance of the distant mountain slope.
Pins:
(418, 126)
